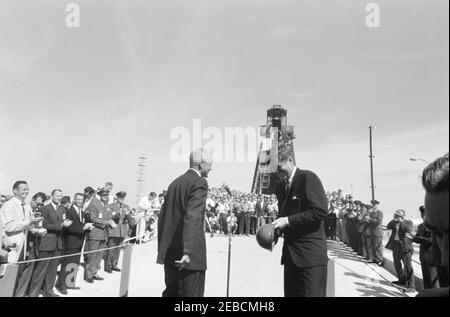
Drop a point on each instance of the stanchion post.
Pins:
(8, 281)
(125, 274)
(331, 278)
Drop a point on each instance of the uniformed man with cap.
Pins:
(376, 231)
(97, 236)
(120, 214)
(367, 233)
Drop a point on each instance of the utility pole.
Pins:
(371, 128)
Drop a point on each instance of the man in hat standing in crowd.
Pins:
(181, 236)
(303, 209)
(368, 234)
(120, 213)
(376, 233)
(400, 242)
(96, 239)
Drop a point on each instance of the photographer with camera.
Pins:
(400, 242)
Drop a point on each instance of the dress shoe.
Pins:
(62, 291)
(75, 288)
(398, 283)
(49, 294)
(98, 278)
(89, 280)
(409, 290)
(116, 269)
(108, 271)
(381, 263)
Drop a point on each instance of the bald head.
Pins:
(201, 160)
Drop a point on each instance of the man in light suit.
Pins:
(181, 236)
(96, 239)
(44, 274)
(303, 208)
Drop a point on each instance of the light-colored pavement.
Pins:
(255, 272)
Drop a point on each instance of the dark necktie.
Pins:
(287, 186)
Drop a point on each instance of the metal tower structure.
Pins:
(276, 134)
(141, 177)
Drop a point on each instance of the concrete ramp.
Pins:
(255, 272)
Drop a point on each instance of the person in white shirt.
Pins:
(17, 218)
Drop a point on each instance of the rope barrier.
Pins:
(124, 243)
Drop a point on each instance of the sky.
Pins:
(78, 106)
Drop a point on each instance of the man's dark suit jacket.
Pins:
(404, 228)
(425, 239)
(52, 221)
(306, 208)
(74, 234)
(181, 222)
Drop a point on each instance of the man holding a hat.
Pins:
(303, 209)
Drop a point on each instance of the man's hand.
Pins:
(66, 223)
(88, 226)
(112, 223)
(185, 260)
(35, 220)
(281, 223)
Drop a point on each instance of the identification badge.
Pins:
(114, 213)
(100, 216)
(64, 216)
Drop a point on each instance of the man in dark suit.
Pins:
(303, 209)
(181, 236)
(73, 240)
(400, 242)
(260, 210)
(96, 239)
(376, 233)
(44, 274)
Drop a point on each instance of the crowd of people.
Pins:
(360, 226)
(238, 212)
(53, 231)
(59, 233)
(356, 224)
